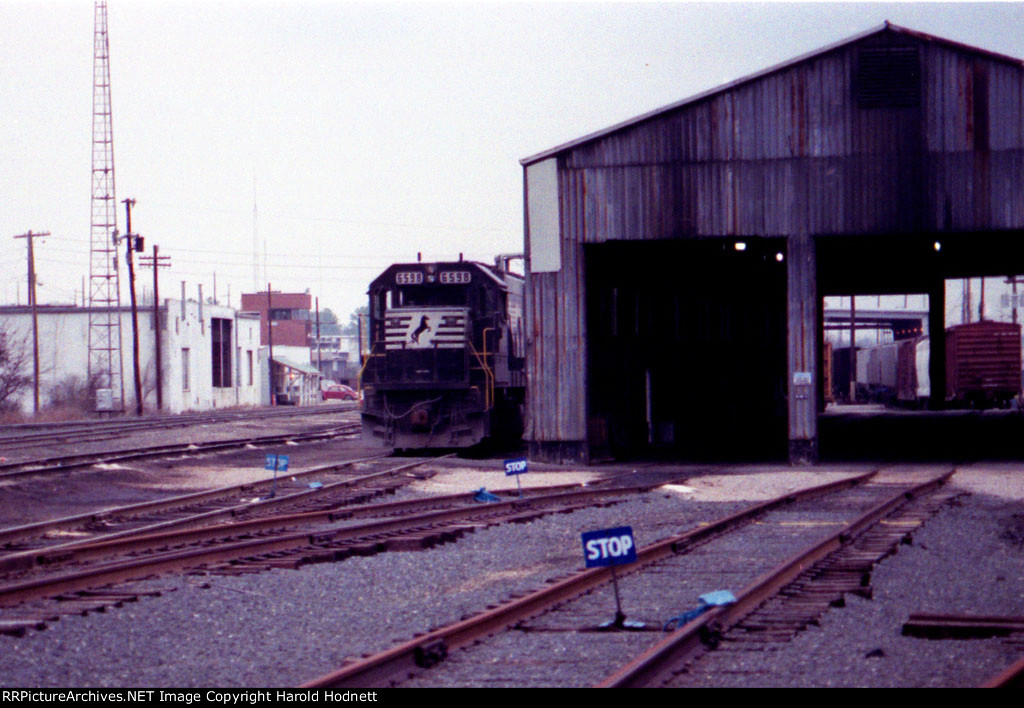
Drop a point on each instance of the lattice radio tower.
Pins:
(105, 368)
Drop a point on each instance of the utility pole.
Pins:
(318, 334)
(981, 301)
(270, 342)
(35, 320)
(853, 349)
(156, 262)
(134, 244)
(1013, 280)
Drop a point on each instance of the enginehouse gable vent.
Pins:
(888, 77)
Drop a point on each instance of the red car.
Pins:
(340, 392)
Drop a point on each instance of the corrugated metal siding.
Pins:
(793, 153)
(974, 171)
(556, 359)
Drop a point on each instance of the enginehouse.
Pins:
(676, 262)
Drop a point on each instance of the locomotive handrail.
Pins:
(488, 374)
(489, 371)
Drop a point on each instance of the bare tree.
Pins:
(15, 366)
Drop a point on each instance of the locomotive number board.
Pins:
(455, 277)
(408, 277)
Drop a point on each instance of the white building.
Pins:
(209, 354)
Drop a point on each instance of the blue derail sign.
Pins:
(609, 547)
(277, 462)
(515, 466)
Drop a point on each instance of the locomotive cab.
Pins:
(445, 364)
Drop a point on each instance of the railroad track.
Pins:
(28, 544)
(256, 545)
(840, 536)
(32, 434)
(11, 470)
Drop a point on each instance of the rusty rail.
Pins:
(40, 528)
(1011, 677)
(433, 647)
(936, 626)
(323, 538)
(11, 470)
(651, 667)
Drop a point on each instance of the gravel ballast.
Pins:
(966, 560)
(283, 628)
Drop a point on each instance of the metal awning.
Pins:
(304, 368)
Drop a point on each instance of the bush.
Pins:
(71, 396)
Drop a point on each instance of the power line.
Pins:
(335, 220)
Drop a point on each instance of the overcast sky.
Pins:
(363, 133)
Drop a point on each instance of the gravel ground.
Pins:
(190, 432)
(81, 490)
(308, 622)
(286, 627)
(967, 560)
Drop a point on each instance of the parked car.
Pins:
(340, 392)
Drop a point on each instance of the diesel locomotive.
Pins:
(445, 366)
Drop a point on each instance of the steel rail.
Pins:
(28, 558)
(940, 626)
(158, 421)
(100, 431)
(121, 571)
(161, 538)
(424, 651)
(136, 543)
(61, 463)
(656, 663)
(40, 528)
(1011, 677)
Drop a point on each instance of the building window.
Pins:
(221, 338)
(248, 355)
(184, 369)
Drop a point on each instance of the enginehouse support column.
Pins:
(937, 344)
(802, 338)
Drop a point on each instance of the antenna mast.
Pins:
(106, 371)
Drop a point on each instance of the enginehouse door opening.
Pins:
(937, 366)
(687, 349)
